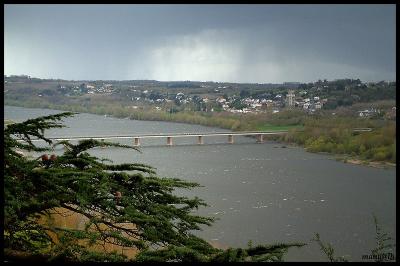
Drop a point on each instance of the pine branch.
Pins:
(35, 127)
(110, 196)
(383, 244)
(328, 250)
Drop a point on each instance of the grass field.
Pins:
(269, 127)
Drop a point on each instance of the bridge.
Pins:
(169, 136)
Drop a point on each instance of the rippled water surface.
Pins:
(259, 192)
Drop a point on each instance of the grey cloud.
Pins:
(242, 43)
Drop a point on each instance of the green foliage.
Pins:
(237, 104)
(69, 249)
(328, 250)
(110, 196)
(269, 127)
(335, 135)
(383, 243)
(188, 253)
(384, 246)
(31, 238)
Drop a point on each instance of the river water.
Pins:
(259, 192)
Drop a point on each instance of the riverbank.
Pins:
(225, 120)
(375, 164)
(316, 139)
(347, 158)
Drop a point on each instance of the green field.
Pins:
(269, 127)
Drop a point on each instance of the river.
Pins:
(259, 192)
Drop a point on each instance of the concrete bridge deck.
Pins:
(175, 135)
(136, 137)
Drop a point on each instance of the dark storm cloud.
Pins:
(242, 43)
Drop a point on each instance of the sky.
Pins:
(222, 43)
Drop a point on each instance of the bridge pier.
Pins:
(137, 142)
(169, 141)
(261, 136)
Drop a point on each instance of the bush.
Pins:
(380, 156)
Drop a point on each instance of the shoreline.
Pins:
(344, 158)
(374, 164)
(341, 157)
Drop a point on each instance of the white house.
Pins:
(221, 100)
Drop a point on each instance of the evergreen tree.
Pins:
(110, 196)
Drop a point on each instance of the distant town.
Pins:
(212, 96)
